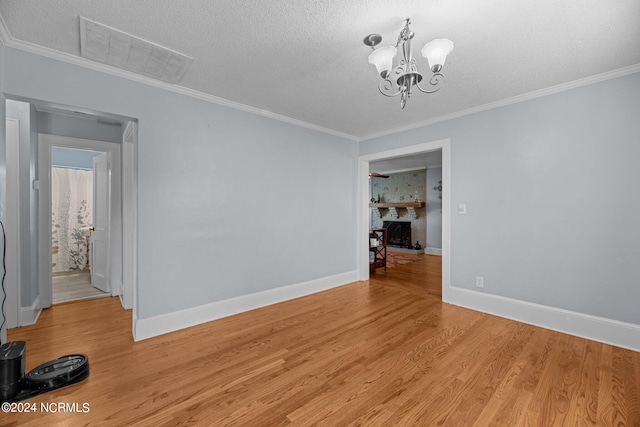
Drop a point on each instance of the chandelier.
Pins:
(405, 75)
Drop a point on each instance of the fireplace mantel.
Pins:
(409, 206)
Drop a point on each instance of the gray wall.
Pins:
(72, 158)
(78, 127)
(551, 187)
(230, 203)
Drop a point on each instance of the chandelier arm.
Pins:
(386, 88)
(435, 83)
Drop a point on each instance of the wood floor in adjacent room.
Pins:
(383, 352)
(74, 285)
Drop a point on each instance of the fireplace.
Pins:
(398, 233)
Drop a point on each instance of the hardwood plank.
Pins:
(382, 352)
(508, 406)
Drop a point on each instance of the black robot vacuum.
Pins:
(15, 385)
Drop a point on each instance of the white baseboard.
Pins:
(608, 331)
(170, 322)
(29, 315)
(116, 288)
(433, 251)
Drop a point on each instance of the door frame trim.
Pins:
(364, 210)
(45, 142)
(11, 228)
(129, 217)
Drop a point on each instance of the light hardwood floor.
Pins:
(383, 352)
(72, 286)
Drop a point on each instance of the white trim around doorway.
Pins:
(11, 226)
(45, 142)
(363, 203)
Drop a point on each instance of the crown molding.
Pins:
(513, 100)
(5, 37)
(8, 41)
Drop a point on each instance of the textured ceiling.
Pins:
(305, 59)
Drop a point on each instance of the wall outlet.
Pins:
(462, 209)
(479, 282)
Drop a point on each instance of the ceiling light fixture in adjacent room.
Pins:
(405, 75)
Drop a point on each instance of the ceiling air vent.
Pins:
(118, 49)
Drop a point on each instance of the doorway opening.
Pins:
(76, 200)
(365, 210)
(71, 238)
(45, 127)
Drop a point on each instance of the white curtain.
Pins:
(71, 212)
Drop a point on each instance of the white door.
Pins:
(101, 220)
